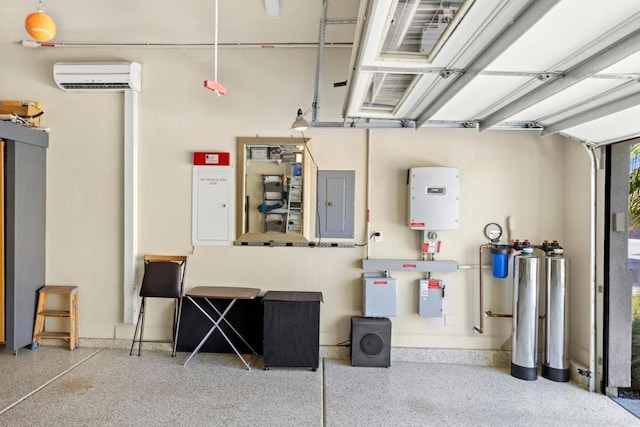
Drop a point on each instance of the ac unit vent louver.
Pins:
(97, 86)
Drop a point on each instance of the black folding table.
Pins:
(206, 294)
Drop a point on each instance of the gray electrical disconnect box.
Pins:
(379, 295)
(430, 295)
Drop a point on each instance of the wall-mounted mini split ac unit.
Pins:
(97, 76)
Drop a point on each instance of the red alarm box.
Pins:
(210, 159)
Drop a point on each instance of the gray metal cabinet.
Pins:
(25, 197)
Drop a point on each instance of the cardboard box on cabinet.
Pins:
(29, 111)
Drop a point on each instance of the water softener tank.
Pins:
(524, 354)
(555, 365)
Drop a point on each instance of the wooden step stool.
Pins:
(42, 313)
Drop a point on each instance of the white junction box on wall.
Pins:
(434, 198)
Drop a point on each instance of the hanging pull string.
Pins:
(213, 85)
(215, 47)
(40, 8)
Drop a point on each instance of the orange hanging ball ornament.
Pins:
(40, 26)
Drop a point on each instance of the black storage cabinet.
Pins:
(291, 334)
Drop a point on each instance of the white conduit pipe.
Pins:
(594, 276)
(473, 266)
(368, 196)
(35, 44)
(130, 194)
(593, 354)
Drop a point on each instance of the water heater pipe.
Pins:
(480, 329)
(489, 313)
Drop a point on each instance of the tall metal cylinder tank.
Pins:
(555, 365)
(524, 353)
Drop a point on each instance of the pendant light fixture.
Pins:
(39, 25)
(213, 85)
(300, 123)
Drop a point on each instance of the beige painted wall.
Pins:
(503, 174)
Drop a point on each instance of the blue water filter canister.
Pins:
(500, 261)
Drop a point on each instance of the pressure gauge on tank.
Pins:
(493, 232)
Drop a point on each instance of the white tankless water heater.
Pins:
(434, 198)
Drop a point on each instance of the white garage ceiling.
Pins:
(569, 66)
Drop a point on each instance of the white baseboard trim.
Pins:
(398, 354)
(496, 358)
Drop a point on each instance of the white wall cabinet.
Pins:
(213, 207)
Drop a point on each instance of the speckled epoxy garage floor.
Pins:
(107, 387)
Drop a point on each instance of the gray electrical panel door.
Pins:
(336, 200)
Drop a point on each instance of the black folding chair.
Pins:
(163, 278)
